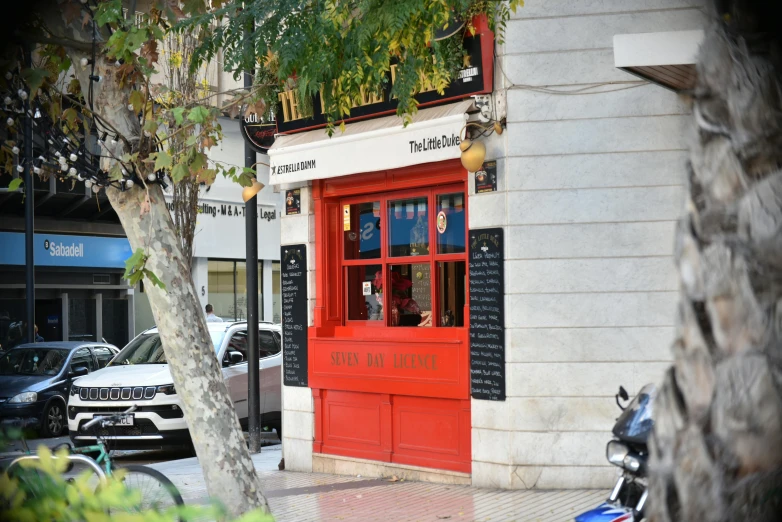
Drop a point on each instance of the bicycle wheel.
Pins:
(157, 491)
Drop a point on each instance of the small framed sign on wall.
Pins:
(292, 202)
(486, 177)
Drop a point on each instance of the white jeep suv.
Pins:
(139, 375)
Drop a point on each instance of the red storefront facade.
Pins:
(384, 215)
(392, 387)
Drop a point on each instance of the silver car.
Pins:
(139, 375)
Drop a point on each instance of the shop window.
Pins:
(115, 321)
(451, 224)
(240, 296)
(365, 293)
(453, 292)
(362, 241)
(81, 320)
(393, 275)
(409, 227)
(410, 299)
(276, 293)
(228, 289)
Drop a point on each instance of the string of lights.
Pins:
(61, 150)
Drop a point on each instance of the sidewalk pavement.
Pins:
(300, 497)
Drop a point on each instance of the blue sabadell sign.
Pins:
(66, 251)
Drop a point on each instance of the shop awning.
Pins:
(369, 146)
(667, 58)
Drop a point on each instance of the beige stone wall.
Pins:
(590, 188)
(298, 418)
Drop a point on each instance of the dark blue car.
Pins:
(35, 380)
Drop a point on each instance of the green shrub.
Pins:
(38, 490)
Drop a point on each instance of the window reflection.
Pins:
(365, 293)
(362, 241)
(450, 223)
(409, 227)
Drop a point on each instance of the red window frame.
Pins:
(386, 260)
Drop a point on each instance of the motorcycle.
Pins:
(628, 450)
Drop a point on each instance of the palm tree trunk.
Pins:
(717, 447)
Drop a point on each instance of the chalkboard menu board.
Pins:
(294, 314)
(487, 314)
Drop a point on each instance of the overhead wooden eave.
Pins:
(667, 58)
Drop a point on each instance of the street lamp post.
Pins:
(251, 244)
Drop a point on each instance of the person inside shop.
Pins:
(210, 315)
(38, 338)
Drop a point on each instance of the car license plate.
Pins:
(125, 420)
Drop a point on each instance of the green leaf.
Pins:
(198, 114)
(245, 179)
(70, 115)
(115, 174)
(15, 184)
(150, 126)
(34, 79)
(136, 99)
(178, 114)
(163, 160)
(135, 39)
(154, 278)
(116, 44)
(199, 162)
(134, 263)
(179, 172)
(108, 12)
(207, 176)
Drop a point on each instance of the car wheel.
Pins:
(53, 423)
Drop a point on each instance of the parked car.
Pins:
(139, 375)
(35, 378)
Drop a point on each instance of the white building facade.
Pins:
(590, 185)
(219, 253)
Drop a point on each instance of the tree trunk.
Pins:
(717, 447)
(214, 426)
(217, 436)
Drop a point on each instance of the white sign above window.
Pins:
(370, 146)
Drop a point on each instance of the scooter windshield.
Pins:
(635, 424)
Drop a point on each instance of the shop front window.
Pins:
(393, 274)
(409, 227)
(365, 296)
(276, 293)
(81, 320)
(451, 224)
(221, 288)
(362, 241)
(228, 289)
(115, 321)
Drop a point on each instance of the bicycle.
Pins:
(157, 491)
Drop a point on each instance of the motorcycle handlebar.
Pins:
(102, 418)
